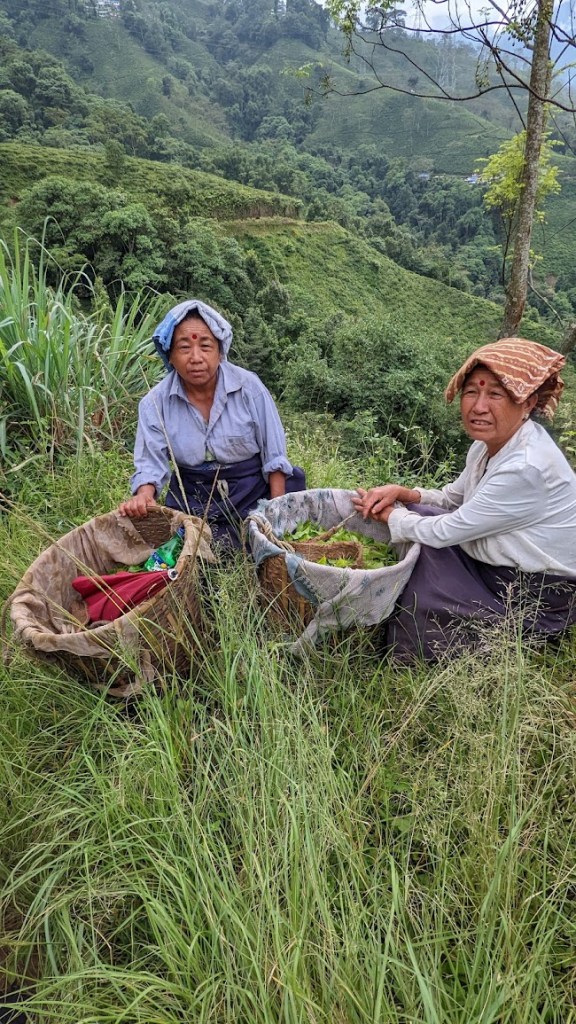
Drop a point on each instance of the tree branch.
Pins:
(477, 33)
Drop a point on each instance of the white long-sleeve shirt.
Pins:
(517, 508)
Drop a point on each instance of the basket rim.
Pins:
(185, 562)
(186, 565)
(351, 549)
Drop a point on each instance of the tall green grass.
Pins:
(68, 377)
(331, 839)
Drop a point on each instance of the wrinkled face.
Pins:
(488, 411)
(194, 353)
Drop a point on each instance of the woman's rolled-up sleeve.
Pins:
(270, 433)
(150, 451)
(449, 497)
(508, 501)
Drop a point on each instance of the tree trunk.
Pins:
(568, 343)
(540, 76)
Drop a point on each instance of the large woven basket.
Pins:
(284, 602)
(147, 644)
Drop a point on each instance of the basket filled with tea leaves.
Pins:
(321, 566)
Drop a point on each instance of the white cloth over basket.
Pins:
(342, 597)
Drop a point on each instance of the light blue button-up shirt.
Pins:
(243, 422)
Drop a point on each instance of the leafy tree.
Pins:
(6, 26)
(503, 176)
(55, 89)
(109, 119)
(376, 367)
(274, 301)
(87, 223)
(160, 127)
(306, 21)
(258, 347)
(128, 250)
(14, 112)
(498, 33)
(74, 211)
(64, 138)
(222, 42)
(201, 262)
(180, 68)
(114, 158)
(275, 128)
(22, 77)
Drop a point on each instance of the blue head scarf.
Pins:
(219, 326)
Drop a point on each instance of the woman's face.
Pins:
(194, 353)
(488, 412)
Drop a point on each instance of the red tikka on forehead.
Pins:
(481, 382)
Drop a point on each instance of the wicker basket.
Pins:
(284, 602)
(151, 641)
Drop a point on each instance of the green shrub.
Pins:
(380, 367)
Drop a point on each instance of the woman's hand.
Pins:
(378, 502)
(137, 507)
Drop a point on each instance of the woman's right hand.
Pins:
(373, 502)
(137, 507)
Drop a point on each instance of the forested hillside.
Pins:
(236, 90)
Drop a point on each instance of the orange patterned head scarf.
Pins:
(522, 367)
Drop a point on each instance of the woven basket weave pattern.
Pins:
(285, 603)
(151, 641)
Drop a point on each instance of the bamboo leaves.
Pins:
(67, 377)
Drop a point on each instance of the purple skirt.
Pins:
(452, 600)
(224, 494)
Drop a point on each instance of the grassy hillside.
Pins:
(556, 238)
(192, 193)
(324, 265)
(327, 269)
(122, 69)
(450, 138)
(109, 60)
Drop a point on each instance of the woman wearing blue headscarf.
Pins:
(210, 429)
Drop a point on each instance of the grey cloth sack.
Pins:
(342, 597)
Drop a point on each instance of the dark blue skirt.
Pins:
(224, 494)
(453, 602)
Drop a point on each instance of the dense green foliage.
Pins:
(69, 380)
(178, 191)
(208, 74)
(358, 343)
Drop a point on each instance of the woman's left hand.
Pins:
(378, 503)
(383, 515)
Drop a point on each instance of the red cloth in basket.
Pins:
(108, 597)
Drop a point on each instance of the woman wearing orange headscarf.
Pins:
(501, 536)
